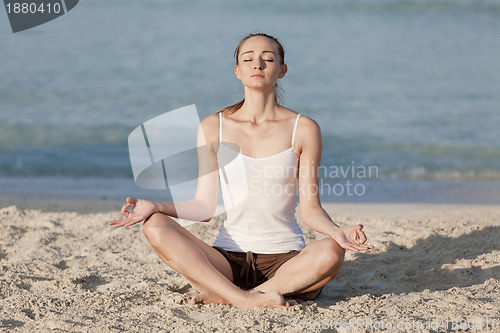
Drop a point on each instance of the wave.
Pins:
(102, 151)
(60, 136)
(415, 161)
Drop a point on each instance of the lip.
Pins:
(257, 75)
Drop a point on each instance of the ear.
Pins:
(284, 69)
(237, 72)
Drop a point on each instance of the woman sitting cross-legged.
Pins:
(259, 255)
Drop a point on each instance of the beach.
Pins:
(434, 268)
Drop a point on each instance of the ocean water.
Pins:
(411, 88)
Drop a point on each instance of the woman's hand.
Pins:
(351, 238)
(141, 209)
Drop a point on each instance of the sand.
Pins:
(432, 266)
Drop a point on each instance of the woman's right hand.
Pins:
(141, 210)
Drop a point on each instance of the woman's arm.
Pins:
(202, 207)
(311, 211)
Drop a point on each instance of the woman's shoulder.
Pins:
(308, 133)
(306, 123)
(212, 119)
(210, 126)
(309, 125)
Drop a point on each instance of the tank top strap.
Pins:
(220, 127)
(295, 130)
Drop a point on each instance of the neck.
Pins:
(259, 106)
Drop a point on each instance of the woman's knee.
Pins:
(330, 256)
(155, 225)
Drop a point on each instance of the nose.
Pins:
(259, 63)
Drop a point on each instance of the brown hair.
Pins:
(279, 99)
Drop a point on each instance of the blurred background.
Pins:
(411, 88)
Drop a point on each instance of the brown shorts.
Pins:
(252, 269)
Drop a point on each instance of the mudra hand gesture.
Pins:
(351, 238)
(141, 210)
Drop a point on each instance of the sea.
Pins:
(406, 92)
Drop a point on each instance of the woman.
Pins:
(259, 254)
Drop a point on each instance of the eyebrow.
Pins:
(262, 52)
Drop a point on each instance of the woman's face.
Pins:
(259, 64)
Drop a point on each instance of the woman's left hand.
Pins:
(351, 238)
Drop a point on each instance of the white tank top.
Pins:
(260, 198)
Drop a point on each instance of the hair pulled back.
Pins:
(281, 51)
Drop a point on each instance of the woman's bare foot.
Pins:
(256, 298)
(207, 297)
(251, 299)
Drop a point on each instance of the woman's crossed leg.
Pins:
(210, 272)
(304, 275)
(203, 266)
